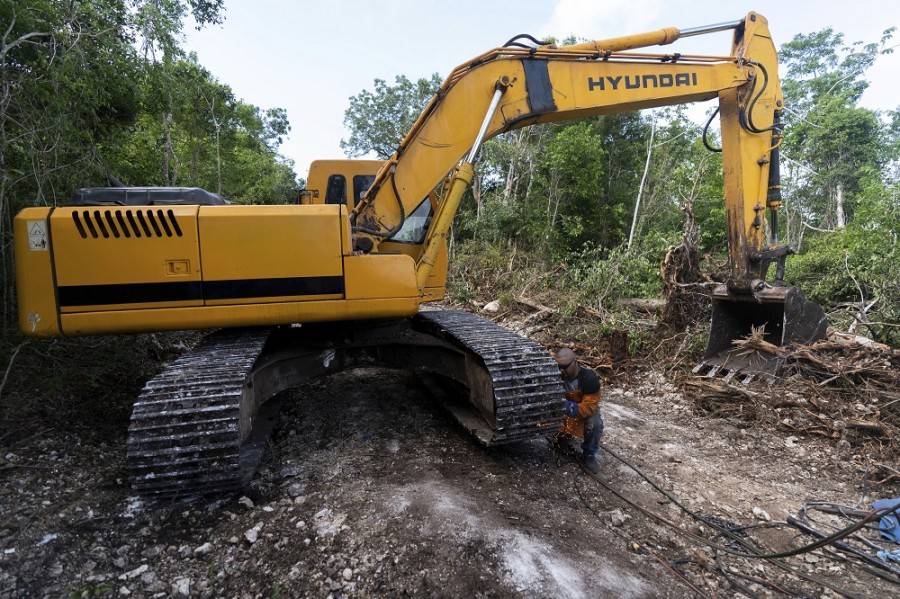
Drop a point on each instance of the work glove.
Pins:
(571, 409)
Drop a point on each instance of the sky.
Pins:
(311, 57)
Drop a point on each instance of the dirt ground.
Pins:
(370, 489)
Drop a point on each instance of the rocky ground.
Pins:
(369, 489)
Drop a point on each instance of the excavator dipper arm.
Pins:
(516, 87)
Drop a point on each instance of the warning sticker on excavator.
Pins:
(37, 235)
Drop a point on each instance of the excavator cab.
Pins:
(339, 181)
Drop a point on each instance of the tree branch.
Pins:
(806, 224)
(12, 359)
(18, 41)
(799, 164)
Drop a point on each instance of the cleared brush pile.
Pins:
(837, 388)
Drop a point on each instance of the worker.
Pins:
(582, 407)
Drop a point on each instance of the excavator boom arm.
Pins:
(551, 84)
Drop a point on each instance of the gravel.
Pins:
(371, 490)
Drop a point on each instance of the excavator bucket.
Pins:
(783, 314)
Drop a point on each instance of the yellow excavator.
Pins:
(336, 281)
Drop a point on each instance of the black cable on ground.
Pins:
(772, 557)
(852, 551)
(841, 510)
(720, 565)
(772, 585)
(848, 512)
(643, 547)
(678, 574)
(699, 517)
(759, 581)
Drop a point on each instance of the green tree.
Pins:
(843, 187)
(830, 141)
(574, 166)
(158, 23)
(197, 133)
(675, 172)
(837, 149)
(379, 119)
(95, 88)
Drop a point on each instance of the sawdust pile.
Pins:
(843, 388)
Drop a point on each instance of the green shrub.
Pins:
(859, 264)
(601, 276)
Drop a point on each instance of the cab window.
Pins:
(360, 184)
(336, 192)
(416, 225)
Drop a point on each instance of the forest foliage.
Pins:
(102, 88)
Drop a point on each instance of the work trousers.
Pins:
(593, 430)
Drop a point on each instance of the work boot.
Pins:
(591, 464)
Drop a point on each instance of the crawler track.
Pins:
(199, 427)
(527, 392)
(186, 427)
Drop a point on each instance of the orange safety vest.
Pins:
(588, 404)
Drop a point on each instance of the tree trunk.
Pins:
(510, 176)
(637, 203)
(539, 131)
(5, 217)
(839, 205)
(195, 164)
(167, 149)
(552, 203)
(218, 160)
(476, 193)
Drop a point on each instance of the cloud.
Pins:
(599, 19)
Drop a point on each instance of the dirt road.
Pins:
(369, 489)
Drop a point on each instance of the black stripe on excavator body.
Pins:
(145, 293)
(223, 290)
(538, 87)
(100, 295)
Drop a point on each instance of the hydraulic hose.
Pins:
(746, 115)
(709, 121)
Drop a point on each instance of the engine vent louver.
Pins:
(130, 223)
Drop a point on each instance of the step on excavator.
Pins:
(337, 280)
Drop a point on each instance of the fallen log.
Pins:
(536, 305)
(872, 427)
(649, 306)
